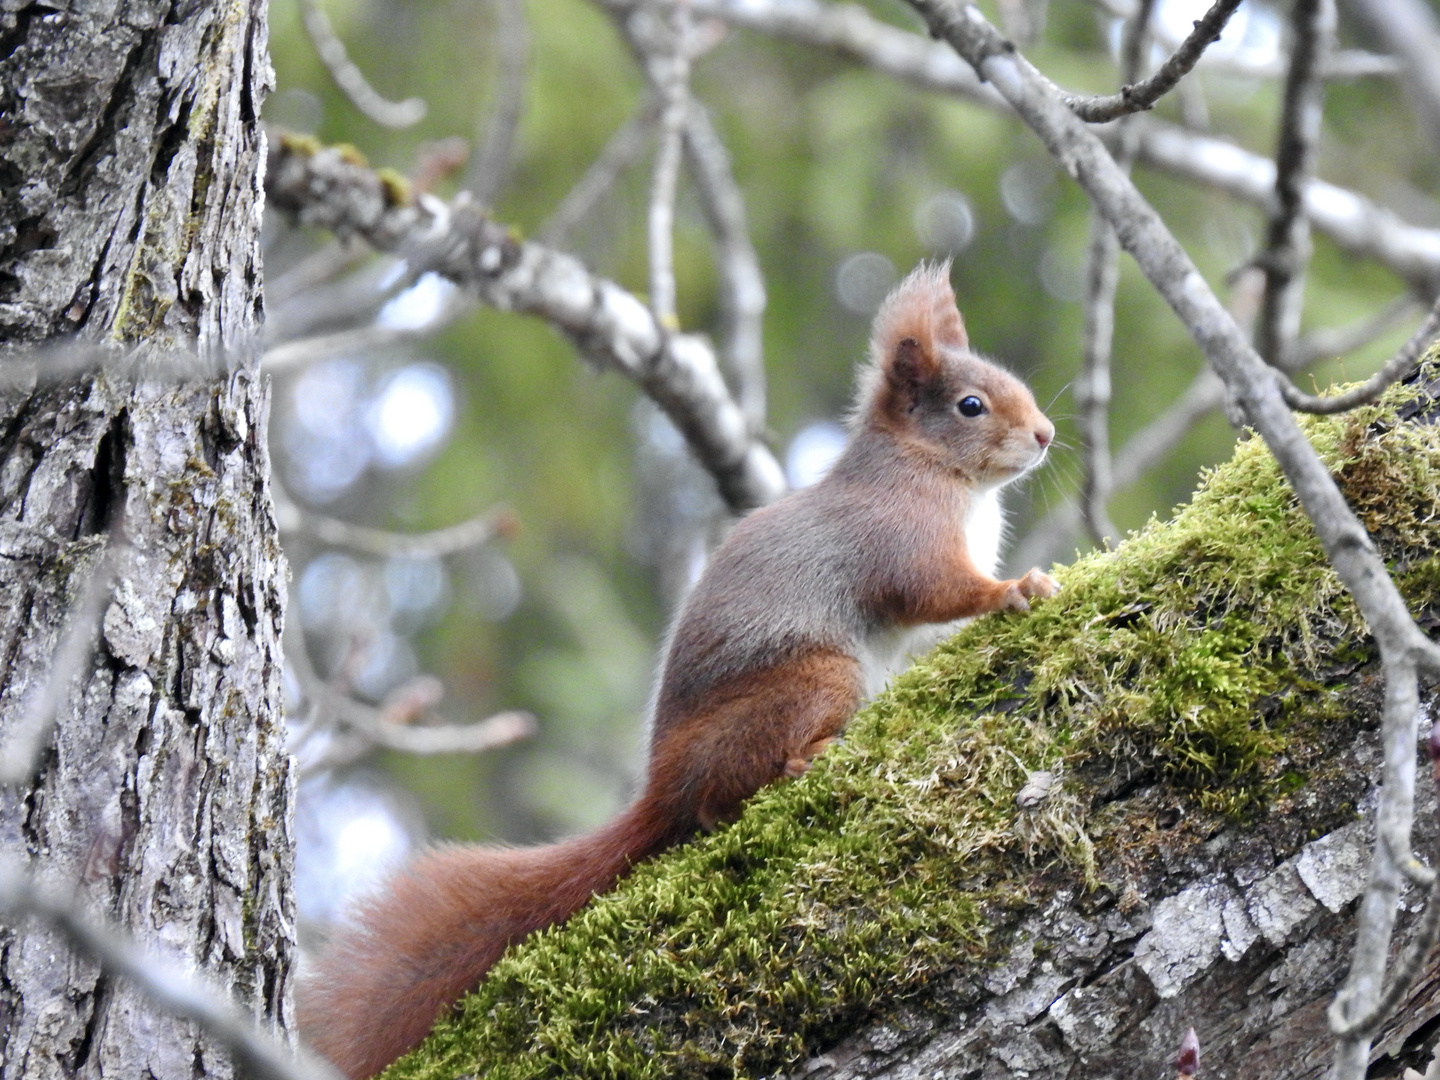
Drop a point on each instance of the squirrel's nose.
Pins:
(1043, 435)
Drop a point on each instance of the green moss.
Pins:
(1191, 660)
(351, 155)
(396, 189)
(299, 144)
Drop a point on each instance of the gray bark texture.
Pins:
(141, 585)
(1250, 952)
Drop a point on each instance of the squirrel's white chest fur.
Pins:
(889, 651)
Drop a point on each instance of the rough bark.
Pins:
(1250, 952)
(130, 171)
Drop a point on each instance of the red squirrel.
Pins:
(801, 614)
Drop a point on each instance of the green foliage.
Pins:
(1189, 658)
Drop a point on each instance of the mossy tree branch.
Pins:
(1211, 701)
(1255, 390)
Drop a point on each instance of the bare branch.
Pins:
(1342, 65)
(1352, 1015)
(322, 265)
(257, 1054)
(608, 324)
(493, 732)
(622, 151)
(662, 201)
(1170, 270)
(1141, 96)
(362, 730)
(353, 729)
(1287, 248)
(851, 30)
(491, 162)
(1092, 383)
(1355, 223)
(450, 540)
(343, 302)
(660, 41)
(742, 286)
(1409, 29)
(1051, 538)
(1327, 342)
(307, 350)
(1023, 20)
(1399, 366)
(349, 78)
(1351, 220)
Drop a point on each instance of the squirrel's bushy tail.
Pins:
(439, 926)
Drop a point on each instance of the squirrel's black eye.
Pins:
(971, 406)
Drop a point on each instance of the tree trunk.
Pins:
(130, 160)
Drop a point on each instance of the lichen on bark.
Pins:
(1206, 695)
(129, 224)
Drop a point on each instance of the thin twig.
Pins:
(1358, 225)
(384, 543)
(511, 49)
(742, 285)
(1287, 246)
(661, 46)
(257, 1053)
(1051, 538)
(343, 302)
(1343, 65)
(1398, 366)
(1092, 383)
(1410, 29)
(622, 151)
(1328, 342)
(1170, 270)
(350, 79)
(322, 265)
(307, 350)
(362, 734)
(1354, 1014)
(1141, 96)
(393, 726)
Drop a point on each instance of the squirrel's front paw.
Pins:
(1038, 583)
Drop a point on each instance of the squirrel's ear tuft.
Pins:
(917, 319)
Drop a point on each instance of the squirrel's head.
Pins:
(926, 388)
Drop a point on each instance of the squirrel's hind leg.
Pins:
(766, 726)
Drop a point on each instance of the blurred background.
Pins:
(420, 410)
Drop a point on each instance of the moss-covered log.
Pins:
(1207, 699)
